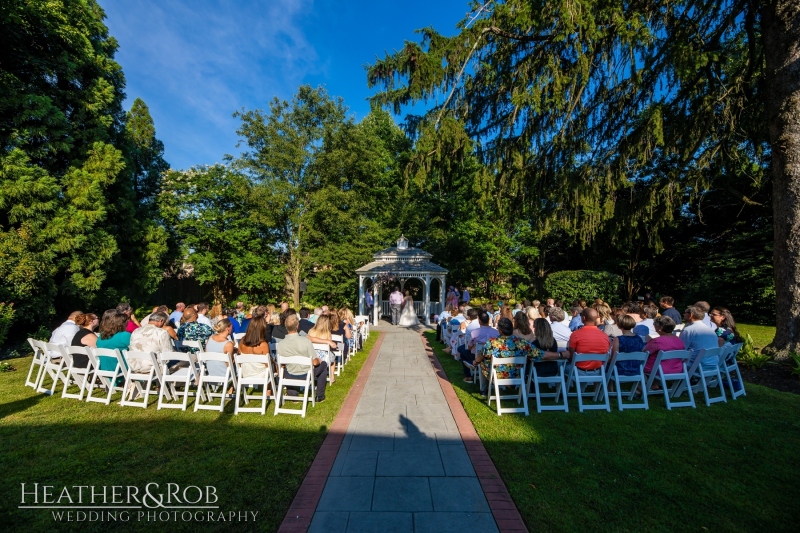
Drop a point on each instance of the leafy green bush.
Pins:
(6, 318)
(568, 285)
(796, 358)
(750, 356)
(41, 334)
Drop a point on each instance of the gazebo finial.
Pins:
(402, 242)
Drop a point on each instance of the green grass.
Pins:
(762, 335)
(255, 462)
(728, 467)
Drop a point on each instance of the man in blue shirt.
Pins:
(667, 304)
(177, 314)
(697, 336)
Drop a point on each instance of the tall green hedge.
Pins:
(568, 285)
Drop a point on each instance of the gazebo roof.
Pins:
(401, 259)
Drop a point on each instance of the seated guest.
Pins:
(230, 314)
(254, 343)
(543, 340)
(666, 341)
(279, 331)
(305, 324)
(472, 321)
(202, 314)
(606, 321)
(219, 342)
(321, 334)
(724, 326)
(476, 339)
(293, 345)
(64, 333)
(132, 323)
(633, 310)
(176, 316)
(84, 337)
(533, 314)
(216, 313)
(576, 322)
(152, 338)
(192, 330)
(697, 336)
(505, 312)
(705, 308)
(645, 328)
(347, 322)
(667, 309)
(170, 328)
(626, 343)
(522, 327)
(589, 340)
(517, 309)
(145, 320)
(247, 317)
(317, 313)
(561, 332)
(507, 345)
(111, 334)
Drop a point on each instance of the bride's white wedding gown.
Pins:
(408, 316)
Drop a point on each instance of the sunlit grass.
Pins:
(728, 467)
(255, 462)
(762, 335)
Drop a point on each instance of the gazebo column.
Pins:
(360, 294)
(427, 299)
(441, 294)
(378, 302)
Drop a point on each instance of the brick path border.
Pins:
(298, 517)
(503, 508)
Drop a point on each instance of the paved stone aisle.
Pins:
(402, 465)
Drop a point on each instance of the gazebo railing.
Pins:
(419, 307)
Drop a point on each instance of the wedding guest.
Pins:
(295, 345)
(85, 337)
(544, 340)
(606, 322)
(667, 304)
(152, 338)
(561, 332)
(219, 342)
(666, 341)
(254, 343)
(64, 333)
(697, 336)
(192, 330)
(202, 312)
(589, 340)
(522, 328)
(476, 339)
(132, 323)
(112, 334)
(724, 326)
(626, 343)
(176, 316)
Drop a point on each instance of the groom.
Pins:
(396, 305)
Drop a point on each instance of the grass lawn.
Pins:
(728, 467)
(762, 335)
(255, 462)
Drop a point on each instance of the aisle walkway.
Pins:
(402, 465)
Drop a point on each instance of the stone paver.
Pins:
(402, 465)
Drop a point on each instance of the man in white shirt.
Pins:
(202, 311)
(64, 333)
(150, 338)
(697, 336)
(561, 331)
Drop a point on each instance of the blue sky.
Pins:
(196, 62)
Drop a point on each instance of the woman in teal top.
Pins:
(111, 334)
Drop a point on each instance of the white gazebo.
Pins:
(399, 264)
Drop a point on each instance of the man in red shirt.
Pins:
(588, 339)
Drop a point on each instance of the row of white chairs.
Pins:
(57, 364)
(671, 385)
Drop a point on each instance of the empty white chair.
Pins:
(584, 378)
(76, 374)
(38, 361)
(637, 380)
(237, 337)
(521, 396)
(108, 377)
(730, 366)
(707, 377)
(184, 374)
(306, 383)
(54, 367)
(246, 378)
(557, 381)
(679, 379)
(139, 380)
(193, 344)
(215, 373)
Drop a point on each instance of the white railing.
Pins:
(419, 307)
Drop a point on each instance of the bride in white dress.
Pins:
(409, 316)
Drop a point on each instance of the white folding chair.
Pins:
(54, 367)
(557, 381)
(637, 380)
(265, 380)
(339, 352)
(707, 377)
(327, 355)
(446, 332)
(108, 378)
(521, 396)
(185, 374)
(38, 361)
(583, 378)
(139, 381)
(364, 321)
(563, 346)
(679, 379)
(731, 367)
(193, 344)
(211, 378)
(77, 375)
(237, 337)
(306, 383)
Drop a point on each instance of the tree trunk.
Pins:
(781, 33)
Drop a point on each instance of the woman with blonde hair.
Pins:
(219, 342)
(532, 314)
(607, 324)
(321, 334)
(215, 314)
